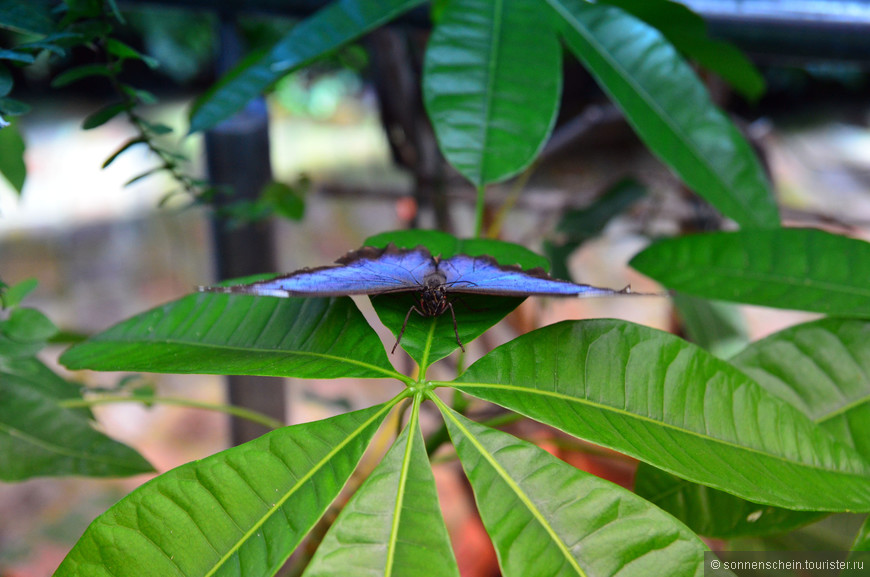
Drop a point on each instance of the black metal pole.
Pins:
(237, 156)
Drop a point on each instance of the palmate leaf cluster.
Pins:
(776, 435)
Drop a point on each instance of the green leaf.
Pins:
(12, 165)
(687, 31)
(105, 114)
(712, 325)
(578, 226)
(447, 245)
(32, 17)
(17, 56)
(393, 523)
(27, 325)
(13, 295)
(285, 199)
(214, 333)
(548, 518)
(127, 145)
(239, 512)
(328, 29)
(801, 269)
(14, 107)
(492, 78)
(862, 539)
(5, 81)
(124, 52)
(664, 401)
(823, 369)
(713, 513)
(80, 73)
(430, 339)
(39, 438)
(669, 108)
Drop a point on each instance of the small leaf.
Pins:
(214, 333)
(156, 128)
(713, 513)
(16, 56)
(14, 107)
(12, 165)
(669, 108)
(715, 326)
(26, 325)
(667, 402)
(329, 28)
(802, 269)
(548, 518)
(105, 114)
(492, 79)
(124, 52)
(13, 295)
(32, 17)
(241, 511)
(578, 226)
(39, 438)
(393, 524)
(127, 145)
(285, 200)
(80, 73)
(5, 81)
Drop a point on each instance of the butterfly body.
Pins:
(374, 271)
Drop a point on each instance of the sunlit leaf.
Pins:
(662, 400)
(547, 518)
(393, 523)
(803, 269)
(243, 335)
(328, 29)
(491, 84)
(239, 512)
(823, 369)
(669, 109)
(713, 513)
(39, 438)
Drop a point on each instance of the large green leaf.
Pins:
(713, 513)
(34, 16)
(669, 108)
(239, 512)
(491, 84)
(823, 369)
(549, 519)
(316, 36)
(687, 31)
(393, 524)
(430, 339)
(243, 335)
(40, 438)
(802, 269)
(662, 400)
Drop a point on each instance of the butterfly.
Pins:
(375, 271)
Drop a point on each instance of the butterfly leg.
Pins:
(405, 324)
(455, 328)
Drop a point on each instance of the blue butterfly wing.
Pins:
(367, 271)
(482, 275)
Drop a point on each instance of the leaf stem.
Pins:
(233, 410)
(479, 210)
